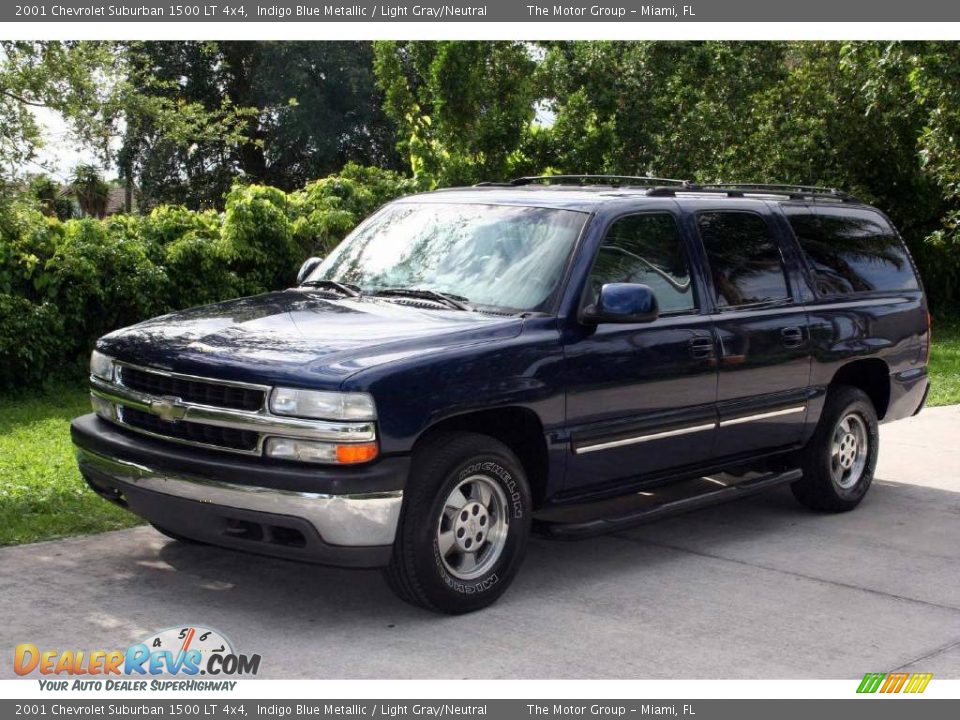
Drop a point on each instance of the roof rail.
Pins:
(794, 192)
(614, 180)
(782, 188)
(670, 186)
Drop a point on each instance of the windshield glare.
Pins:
(492, 255)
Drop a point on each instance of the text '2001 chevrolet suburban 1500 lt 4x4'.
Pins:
(577, 354)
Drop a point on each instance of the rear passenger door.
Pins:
(763, 334)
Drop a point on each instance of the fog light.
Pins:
(103, 408)
(319, 452)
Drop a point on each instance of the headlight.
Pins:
(320, 452)
(322, 405)
(101, 366)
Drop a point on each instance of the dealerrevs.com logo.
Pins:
(187, 652)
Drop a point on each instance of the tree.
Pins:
(881, 120)
(91, 191)
(933, 71)
(301, 110)
(674, 109)
(54, 202)
(102, 90)
(464, 109)
(63, 76)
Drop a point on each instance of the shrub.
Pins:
(31, 341)
(258, 238)
(64, 284)
(326, 210)
(100, 280)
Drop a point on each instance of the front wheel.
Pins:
(839, 460)
(464, 526)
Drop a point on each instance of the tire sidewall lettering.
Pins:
(495, 470)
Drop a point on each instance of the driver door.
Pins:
(641, 396)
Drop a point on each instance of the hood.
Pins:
(298, 336)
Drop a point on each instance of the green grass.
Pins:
(945, 363)
(42, 495)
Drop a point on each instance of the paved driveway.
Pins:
(759, 588)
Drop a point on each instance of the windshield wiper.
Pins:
(457, 302)
(347, 289)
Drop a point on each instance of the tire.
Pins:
(176, 536)
(430, 566)
(837, 466)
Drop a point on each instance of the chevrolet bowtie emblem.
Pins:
(168, 408)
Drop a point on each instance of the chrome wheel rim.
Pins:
(472, 529)
(848, 451)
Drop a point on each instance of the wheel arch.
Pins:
(517, 427)
(872, 376)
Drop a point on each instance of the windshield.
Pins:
(487, 255)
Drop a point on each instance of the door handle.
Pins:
(701, 347)
(791, 337)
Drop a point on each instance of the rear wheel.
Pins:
(464, 526)
(839, 460)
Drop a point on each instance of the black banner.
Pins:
(491, 11)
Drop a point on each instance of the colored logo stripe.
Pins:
(918, 682)
(894, 682)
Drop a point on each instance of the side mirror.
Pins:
(622, 303)
(308, 267)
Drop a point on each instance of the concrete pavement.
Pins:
(759, 588)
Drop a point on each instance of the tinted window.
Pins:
(851, 251)
(646, 249)
(744, 259)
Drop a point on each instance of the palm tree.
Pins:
(91, 190)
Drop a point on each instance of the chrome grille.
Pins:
(217, 414)
(220, 437)
(191, 390)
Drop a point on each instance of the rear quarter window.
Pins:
(851, 251)
(745, 261)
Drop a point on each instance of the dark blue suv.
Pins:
(570, 354)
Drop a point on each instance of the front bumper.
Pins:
(273, 509)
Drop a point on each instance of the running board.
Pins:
(605, 516)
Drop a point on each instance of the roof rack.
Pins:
(612, 180)
(670, 186)
(804, 190)
(794, 192)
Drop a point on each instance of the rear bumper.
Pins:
(279, 515)
(908, 393)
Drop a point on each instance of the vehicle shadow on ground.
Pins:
(759, 587)
(308, 593)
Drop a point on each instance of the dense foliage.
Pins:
(881, 120)
(302, 111)
(63, 284)
(229, 129)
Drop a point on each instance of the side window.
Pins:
(745, 261)
(646, 249)
(851, 251)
